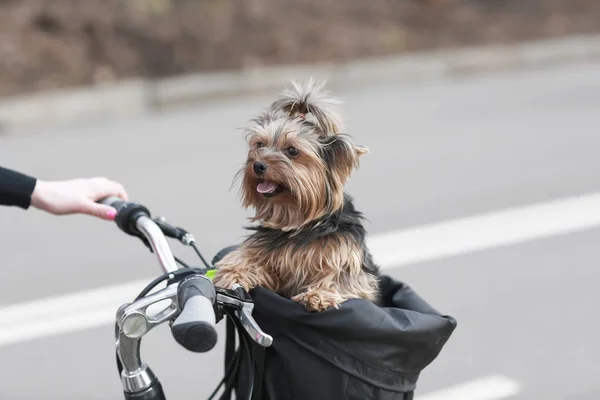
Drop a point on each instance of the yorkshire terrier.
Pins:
(310, 242)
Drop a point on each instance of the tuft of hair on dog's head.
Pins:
(299, 159)
(310, 102)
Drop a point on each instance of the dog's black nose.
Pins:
(260, 167)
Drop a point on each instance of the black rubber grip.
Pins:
(112, 201)
(127, 214)
(194, 328)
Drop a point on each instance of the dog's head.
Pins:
(298, 159)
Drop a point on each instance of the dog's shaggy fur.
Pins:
(310, 241)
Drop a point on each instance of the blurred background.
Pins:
(65, 43)
(481, 189)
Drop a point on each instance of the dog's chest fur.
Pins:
(327, 254)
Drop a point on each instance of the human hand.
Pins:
(77, 196)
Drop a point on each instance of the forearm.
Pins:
(16, 188)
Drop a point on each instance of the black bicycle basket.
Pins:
(360, 351)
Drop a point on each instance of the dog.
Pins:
(309, 244)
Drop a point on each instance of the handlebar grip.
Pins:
(113, 201)
(127, 214)
(194, 328)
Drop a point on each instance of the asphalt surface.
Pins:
(439, 150)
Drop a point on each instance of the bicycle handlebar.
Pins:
(196, 304)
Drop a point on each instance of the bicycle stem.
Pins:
(132, 324)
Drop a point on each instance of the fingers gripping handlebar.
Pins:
(134, 219)
(127, 214)
(196, 305)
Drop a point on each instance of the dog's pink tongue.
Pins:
(266, 187)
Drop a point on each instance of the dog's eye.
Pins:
(292, 151)
(259, 145)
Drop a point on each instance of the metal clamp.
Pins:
(133, 319)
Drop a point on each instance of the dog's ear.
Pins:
(310, 102)
(342, 156)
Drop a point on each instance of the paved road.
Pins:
(439, 150)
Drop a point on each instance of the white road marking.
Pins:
(66, 313)
(500, 228)
(94, 308)
(496, 387)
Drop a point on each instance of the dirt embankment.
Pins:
(64, 43)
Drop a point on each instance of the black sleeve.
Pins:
(16, 188)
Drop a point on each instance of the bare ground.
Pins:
(65, 43)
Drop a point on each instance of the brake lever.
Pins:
(248, 322)
(244, 305)
(175, 232)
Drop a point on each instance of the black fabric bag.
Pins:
(361, 351)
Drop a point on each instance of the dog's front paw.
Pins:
(226, 280)
(318, 300)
